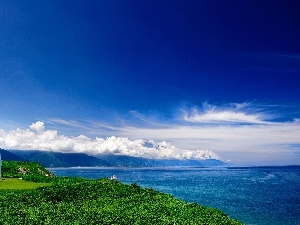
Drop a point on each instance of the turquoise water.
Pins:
(253, 195)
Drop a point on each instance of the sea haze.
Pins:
(253, 195)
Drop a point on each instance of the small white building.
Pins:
(113, 177)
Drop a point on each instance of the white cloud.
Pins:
(70, 123)
(226, 116)
(245, 144)
(234, 113)
(37, 138)
(243, 133)
(38, 126)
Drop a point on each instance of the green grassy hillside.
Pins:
(31, 171)
(80, 201)
(103, 201)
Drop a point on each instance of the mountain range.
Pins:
(59, 159)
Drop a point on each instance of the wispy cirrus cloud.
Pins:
(70, 123)
(232, 113)
(84, 125)
(290, 56)
(212, 116)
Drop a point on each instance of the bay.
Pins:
(253, 195)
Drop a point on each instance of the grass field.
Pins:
(15, 183)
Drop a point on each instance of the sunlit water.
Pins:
(253, 195)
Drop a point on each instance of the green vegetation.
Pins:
(15, 183)
(30, 171)
(102, 201)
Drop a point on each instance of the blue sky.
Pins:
(216, 75)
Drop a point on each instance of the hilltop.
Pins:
(32, 171)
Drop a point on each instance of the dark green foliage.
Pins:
(31, 171)
(81, 201)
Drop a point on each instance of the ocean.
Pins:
(253, 195)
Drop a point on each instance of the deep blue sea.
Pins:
(253, 195)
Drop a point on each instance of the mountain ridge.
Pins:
(59, 159)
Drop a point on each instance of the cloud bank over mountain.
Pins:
(38, 138)
(243, 133)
